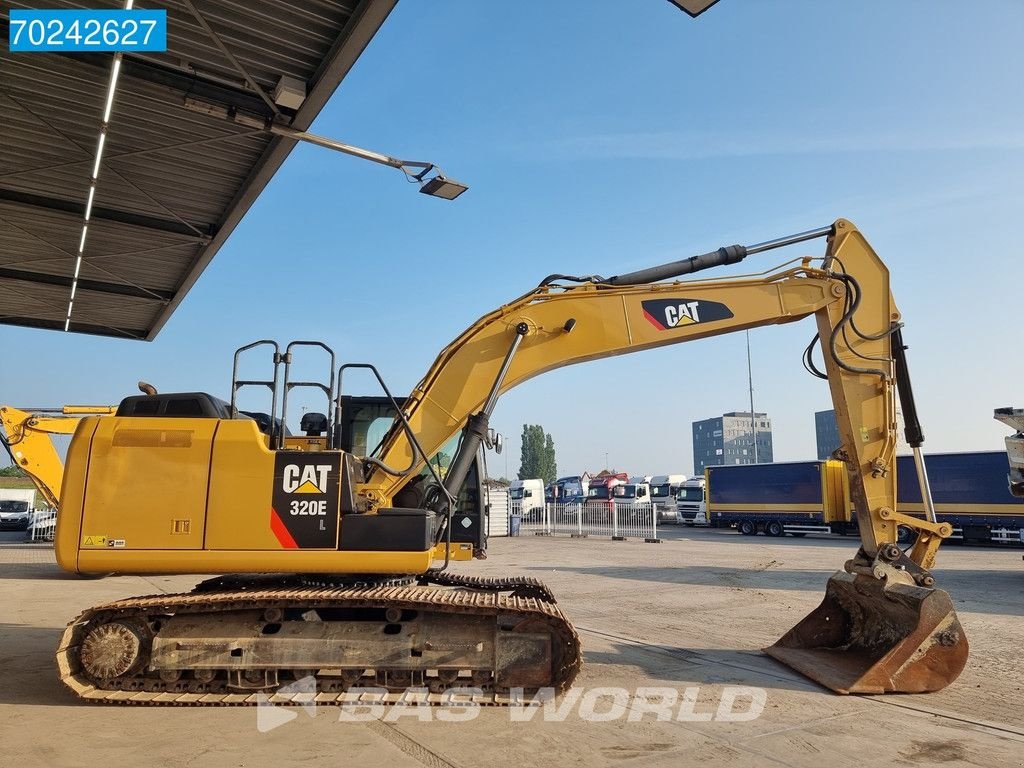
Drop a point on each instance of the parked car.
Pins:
(14, 515)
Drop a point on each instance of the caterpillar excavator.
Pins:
(27, 439)
(334, 545)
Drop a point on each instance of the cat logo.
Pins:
(688, 310)
(308, 478)
(304, 499)
(664, 314)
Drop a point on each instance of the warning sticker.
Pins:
(94, 541)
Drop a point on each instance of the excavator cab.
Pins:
(366, 421)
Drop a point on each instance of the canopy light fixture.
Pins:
(437, 185)
(289, 92)
(101, 141)
(431, 179)
(693, 7)
(442, 186)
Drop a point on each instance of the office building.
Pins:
(729, 439)
(826, 433)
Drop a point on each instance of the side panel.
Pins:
(959, 478)
(72, 500)
(251, 561)
(793, 492)
(967, 488)
(147, 483)
(786, 484)
(836, 482)
(241, 490)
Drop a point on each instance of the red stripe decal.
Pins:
(654, 322)
(284, 538)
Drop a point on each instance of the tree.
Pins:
(12, 471)
(537, 458)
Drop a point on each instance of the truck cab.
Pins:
(663, 495)
(691, 502)
(571, 490)
(602, 488)
(636, 491)
(527, 496)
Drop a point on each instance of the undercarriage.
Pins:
(216, 645)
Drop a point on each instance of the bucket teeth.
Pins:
(868, 636)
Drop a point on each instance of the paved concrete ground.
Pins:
(688, 612)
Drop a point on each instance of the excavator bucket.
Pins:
(871, 637)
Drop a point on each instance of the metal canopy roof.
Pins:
(173, 181)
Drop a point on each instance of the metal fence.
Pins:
(616, 521)
(497, 511)
(41, 525)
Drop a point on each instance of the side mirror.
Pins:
(495, 441)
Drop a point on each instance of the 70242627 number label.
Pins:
(41, 31)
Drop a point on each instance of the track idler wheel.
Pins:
(868, 636)
(111, 650)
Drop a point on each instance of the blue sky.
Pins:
(599, 137)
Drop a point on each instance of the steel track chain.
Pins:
(519, 586)
(138, 690)
(242, 582)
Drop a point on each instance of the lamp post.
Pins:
(430, 178)
(437, 185)
(750, 381)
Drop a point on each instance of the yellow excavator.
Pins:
(27, 438)
(334, 544)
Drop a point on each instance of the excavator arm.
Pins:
(27, 438)
(847, 290)
(882, 627)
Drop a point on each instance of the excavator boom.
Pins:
(557, 325)
(28, 443)
(882, 627)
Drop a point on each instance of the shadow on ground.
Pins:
(983, 591)
(36, 572)
(27, 658)
(702, 666)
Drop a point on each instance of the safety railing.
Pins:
(616, 521)
(42, 525)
